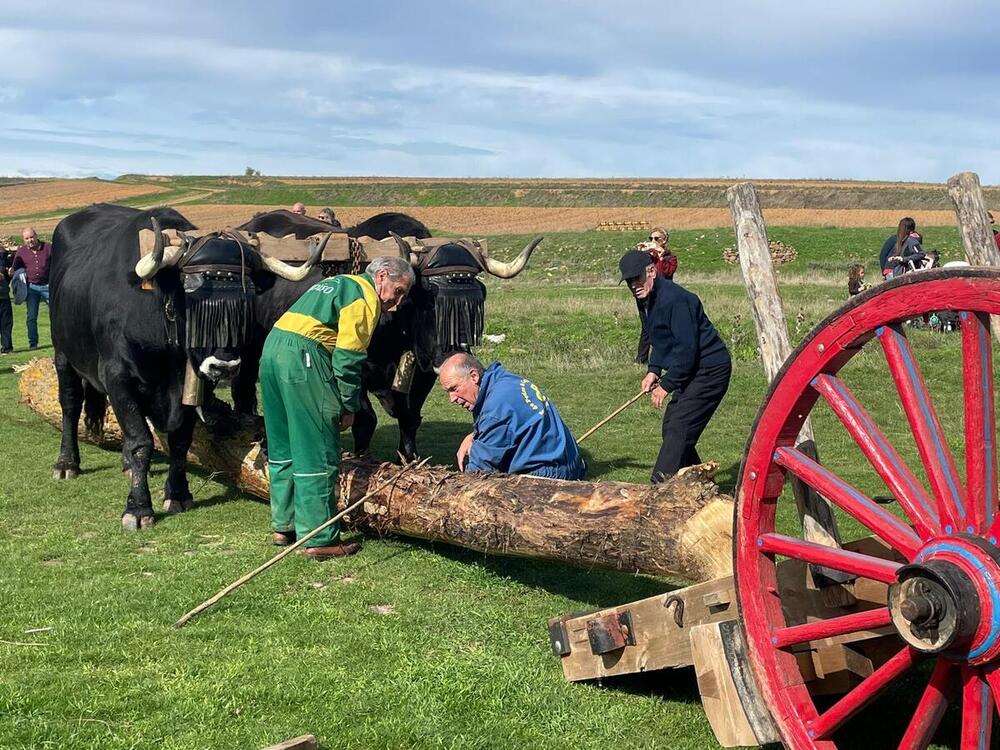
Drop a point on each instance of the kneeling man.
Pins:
(515, 428)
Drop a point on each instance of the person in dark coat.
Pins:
(905, 227)
(6, 311)
(666, 266)
(687, 360)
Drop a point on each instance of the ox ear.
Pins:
(513, 268)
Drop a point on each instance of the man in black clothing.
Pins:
(688, 360)
(6, 312)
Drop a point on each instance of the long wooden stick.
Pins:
(291, 548)
(612, 415)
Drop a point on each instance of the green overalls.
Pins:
(310, 374)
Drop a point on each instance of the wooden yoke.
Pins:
(974, 226)
(818, 523)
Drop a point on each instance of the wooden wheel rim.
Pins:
(808, 371)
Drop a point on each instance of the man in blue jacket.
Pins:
(516, 429)
(688, 359)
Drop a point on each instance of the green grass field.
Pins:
(407, 644)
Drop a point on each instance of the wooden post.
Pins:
(818, 523)
(974, 225)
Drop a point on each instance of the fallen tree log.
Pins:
(681, 528)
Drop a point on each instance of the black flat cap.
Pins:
(634, 263)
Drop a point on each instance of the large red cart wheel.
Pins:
(944, 601)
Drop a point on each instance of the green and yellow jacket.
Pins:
(339, 314)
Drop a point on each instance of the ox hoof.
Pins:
(60, 474)
(132, 522)
(177, 506)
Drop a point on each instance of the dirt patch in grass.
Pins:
(507, 220)
(54, 195)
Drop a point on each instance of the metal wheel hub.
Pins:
(947, 601)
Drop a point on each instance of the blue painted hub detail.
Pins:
(993, 636)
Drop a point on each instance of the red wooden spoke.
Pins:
(832, 557)
(897, 534)
(934, 451)
(902, 483)
(931, 708)
(864, 693)
(992, 674)
(980, 422)
(977, 710)
(814, 631)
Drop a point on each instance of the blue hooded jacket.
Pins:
(517, 430)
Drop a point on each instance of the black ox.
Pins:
(442, 314)
(140, 331)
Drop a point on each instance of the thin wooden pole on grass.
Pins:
(291, 548)
(611, 416)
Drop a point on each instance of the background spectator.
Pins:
(665, 260)
(329, 217)
(33, 256)
(856, 279)
(906, 226)
(6, 311)
(299, 208)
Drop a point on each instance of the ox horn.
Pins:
(296, 273)
(510, 270)
(405, 251)
(148, 265)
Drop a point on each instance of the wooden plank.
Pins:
(974, 225)
(818, 523)
(663, 643)
(661, 628)
(729, 694)
(303, 742)
(290, 250)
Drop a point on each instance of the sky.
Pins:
(855, 89)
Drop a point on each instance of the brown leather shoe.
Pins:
(340, 549)
(282, 538)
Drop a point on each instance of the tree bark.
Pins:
(682, 528)
(818, 523)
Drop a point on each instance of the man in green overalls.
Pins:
(310, 376)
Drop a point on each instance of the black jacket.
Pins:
(683, 339)
(5, 262)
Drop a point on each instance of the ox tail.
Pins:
(95, 408)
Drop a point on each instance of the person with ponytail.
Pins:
(892, 246)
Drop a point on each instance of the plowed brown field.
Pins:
(503, 220)
(52, 195)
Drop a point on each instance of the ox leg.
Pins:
(176, 493)
(364, 425)
(244, 386)
(137, 451)
(408, 413)
(67, 465)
